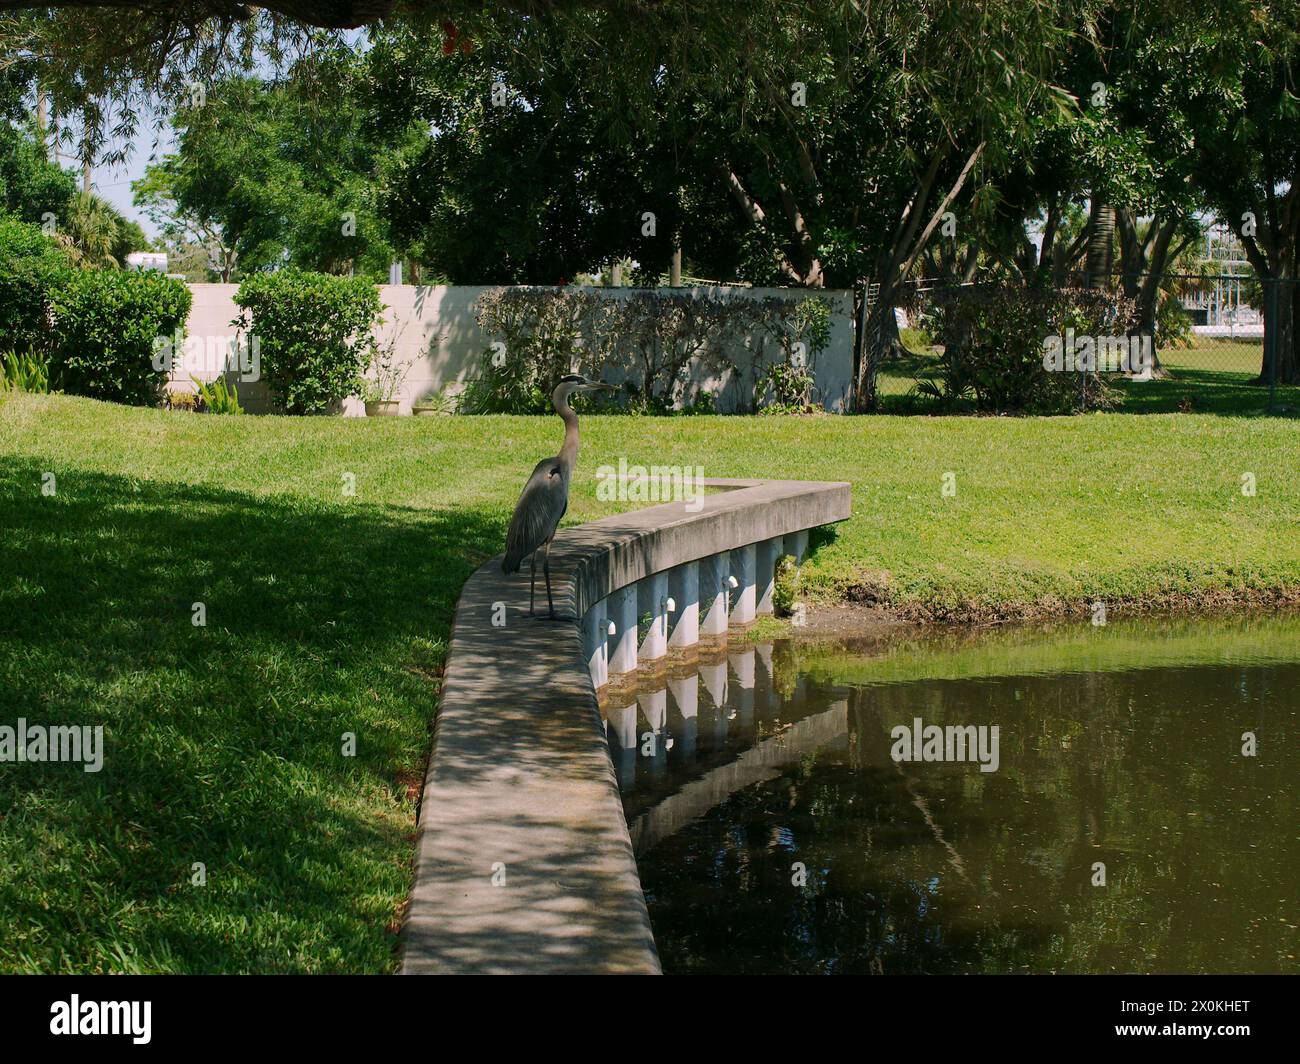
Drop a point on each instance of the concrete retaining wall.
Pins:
(435, 333)
(524, 861)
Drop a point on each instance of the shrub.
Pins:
(30, 266)
(537, 333)
(785, 585)
(106, 323)
(316, 334)
(802, 329)
(992, 338)
(179, 399)
(653, 339)
(663, 333)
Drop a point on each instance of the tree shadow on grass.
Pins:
(224, 742)
(1203, 392)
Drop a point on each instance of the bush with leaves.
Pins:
(993, 342)
(802, 331)
(656, 340)
(660, 336)
(30, 267)
(316, 334)
(106, 323)
(537, 334)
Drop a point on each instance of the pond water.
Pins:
(783, 822)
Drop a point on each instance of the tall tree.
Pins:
(311, 201)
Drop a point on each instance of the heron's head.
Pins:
(576, 382)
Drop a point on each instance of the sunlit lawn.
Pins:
(328, 613)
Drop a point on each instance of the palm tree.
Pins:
(90, 229)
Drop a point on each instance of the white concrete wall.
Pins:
(436, 335)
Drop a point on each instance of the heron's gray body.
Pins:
(545, 497)
(544, 501)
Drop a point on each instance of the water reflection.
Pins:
(774, 832)
(685, 742)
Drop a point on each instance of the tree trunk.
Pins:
(1143, 263)
(879, 341)
(1280, 331)
(1101, 244)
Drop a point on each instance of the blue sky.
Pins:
(114, 183)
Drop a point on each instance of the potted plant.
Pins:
(434, 404)
(382, 388)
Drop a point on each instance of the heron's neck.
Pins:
(569, 452)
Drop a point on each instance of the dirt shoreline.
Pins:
(876, 621)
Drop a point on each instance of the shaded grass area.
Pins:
(224, 744)
(1213, 376)
(328, 613)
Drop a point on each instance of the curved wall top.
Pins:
(524, 864)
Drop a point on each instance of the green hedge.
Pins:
(314, 332)
(105, 325)
(31, 265)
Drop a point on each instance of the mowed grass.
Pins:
(328, 614)
(1215, 375)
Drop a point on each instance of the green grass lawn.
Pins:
(328, 614)
(1216, 375)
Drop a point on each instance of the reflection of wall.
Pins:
(763, 761)
(437, 336)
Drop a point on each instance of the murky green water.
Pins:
(1124, 829)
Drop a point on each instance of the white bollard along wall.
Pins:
(686, 698)
(622, 611)
(686, 693)
(652, 599)
(714, 675)
(744, 598)
(714, 594)
(796, 544)
(767, 554)
(742, 665)
(684, 589)
(622, 723)
(595, 644)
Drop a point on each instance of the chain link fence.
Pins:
(1209, 350)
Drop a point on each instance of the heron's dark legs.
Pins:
(546, 568)
(532, 583)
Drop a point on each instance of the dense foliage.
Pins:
(106, 327)
(315, 334)
(30, 264)
(993, 339)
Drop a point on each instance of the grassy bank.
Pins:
(327, 614)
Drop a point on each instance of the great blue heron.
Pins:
(545, 497)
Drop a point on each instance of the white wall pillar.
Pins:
(595, 644)
(714, 574)
(797, 544)
(767, 554)
(743, 666)
(686, 700)
(686, 694)
(652, 598)
(622, 729)
(714, 676)
(622, 611)
(684, 589)
(743, 600)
